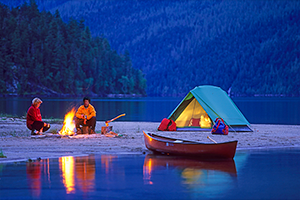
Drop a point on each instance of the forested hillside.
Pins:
(39, 53)
(247, 47)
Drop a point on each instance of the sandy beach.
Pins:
(17, 145)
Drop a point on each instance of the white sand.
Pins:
(17, 145)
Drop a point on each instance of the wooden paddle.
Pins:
(211, 139)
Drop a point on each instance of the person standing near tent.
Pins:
(86, 116)
(34, 118)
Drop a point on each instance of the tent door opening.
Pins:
(194, 116)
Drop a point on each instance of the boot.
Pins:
(34, 132)
(79, 131)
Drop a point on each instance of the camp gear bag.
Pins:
(167, 125)
(220, 127)
(172, 126)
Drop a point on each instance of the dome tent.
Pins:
(202, 105)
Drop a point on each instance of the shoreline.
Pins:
(16, 144)
(136, 153)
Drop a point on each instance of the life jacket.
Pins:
(220, 127)
(167, 125)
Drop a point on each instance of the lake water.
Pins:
(258, 110)
(255, 174)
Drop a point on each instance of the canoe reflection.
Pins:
(191, 169)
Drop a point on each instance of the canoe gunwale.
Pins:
(172, 140)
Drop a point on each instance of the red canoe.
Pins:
(165, 145)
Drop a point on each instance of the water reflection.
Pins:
(66, 165)
(136, 109)
(33, 171)
(203, 178)
(155, 177)
(78, 171)
(85, 172)
(106, 162)
(2, 166)
(147, 170)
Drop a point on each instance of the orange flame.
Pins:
(69, 125)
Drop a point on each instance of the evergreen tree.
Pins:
(39, 50)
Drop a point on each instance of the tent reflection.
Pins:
(191, 169)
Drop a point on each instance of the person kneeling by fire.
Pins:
(34, 118)
(85, 117)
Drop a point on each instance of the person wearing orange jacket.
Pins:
(86, 116)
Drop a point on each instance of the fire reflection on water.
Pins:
(78, 171)
(66, 165)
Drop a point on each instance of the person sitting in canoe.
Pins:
(34, 118)
(86, 116)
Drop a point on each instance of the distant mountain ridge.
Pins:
(248, 47)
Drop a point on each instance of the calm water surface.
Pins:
(256, 174)
(258, 110)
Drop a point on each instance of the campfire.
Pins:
(68, 128)
(69, 125)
